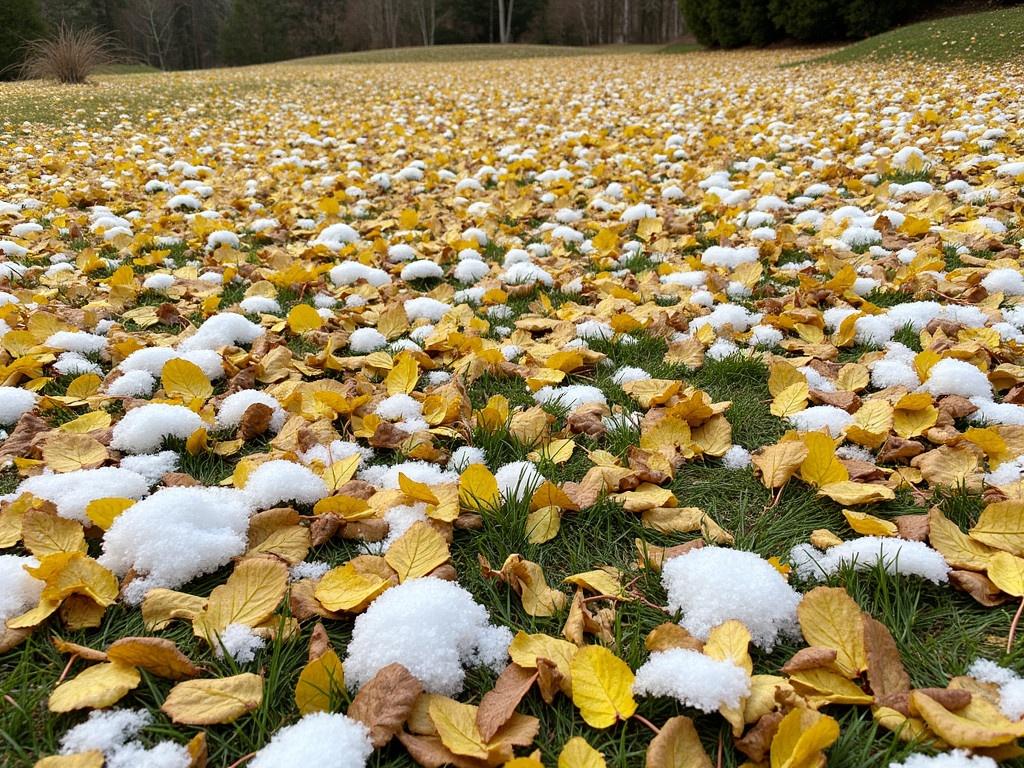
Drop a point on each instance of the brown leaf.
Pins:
(652, 556)
(255, 421)
(814, 657)
(952, 699)
(671, 635)
(383, 704)
(319, 643)
(886, 674)
(179, 479)
(168, 314)
(22, 437)
(912, 527)
(756, 743)
(897, 449)
(979, 586)
(587, 420)
(498, 704)
(848, 401)
(549, 679)
(323, 528)
(956, 407)
(862, 471)
(387, 435)
(303, 604)
(429, 752)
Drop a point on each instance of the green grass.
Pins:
(991, 37)
(447, 53)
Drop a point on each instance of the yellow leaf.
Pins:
(677, 745)
(156, 655)
(346, 589)
(851, 493)
(68, 451)
(871, 423)
(103, 512)
(47, 534)
(778, 462)
(605, 241)
(979, 724)
(525, 649)
(252, 592)
(67, 573)
(213, 701)
(542, 524)
(821, 466)
(417, 552)
(852, 377)
(478, 489)
(781, 375)
(94, 687)
(911, 423)
(958, 549)
(340, 471)
(321, 684)
(1007, 573)
(538, 598)
(650, 392)
(404, 374)
(91, 759)
(87, 422)
(602, 686)
(577, 753)
(869, 525)
(348, 507)
(830, 618)
(303, 317)
(557, 451)
(198, 442)
(456, 725)
(1001, 525)
(802, 736)
(790, 400)
(729, 641)
(416, 490)
(185, 380)
(601, 581)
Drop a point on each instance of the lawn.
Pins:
(989, 37)
(699, 375)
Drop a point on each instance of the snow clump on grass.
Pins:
(239, 642)
(910, 558)
(323, 739)
(692, 678)
(112, 732)
(233, 407)
(71, 492)
(174, 536)
(280, 480)
(15, 402)
(711, 585)
(143, 429)
(21, 591)
(431, 627)
(571, 396)
(222, 330)
(958, 758)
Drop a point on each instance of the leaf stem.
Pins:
(1013, 625)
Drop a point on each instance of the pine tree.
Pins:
(20, 21)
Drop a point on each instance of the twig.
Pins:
(242, 759)
(720, 755)
(67, 668)
(644, 721)
(1013, 625)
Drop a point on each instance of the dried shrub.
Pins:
(70, 56)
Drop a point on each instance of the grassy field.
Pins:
(990, 37)
(605, 172)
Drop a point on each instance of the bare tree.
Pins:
(426, 12)
(505, 20)
(153, 21)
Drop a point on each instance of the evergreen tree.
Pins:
(20, 21)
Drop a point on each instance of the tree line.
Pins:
(195, 34)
